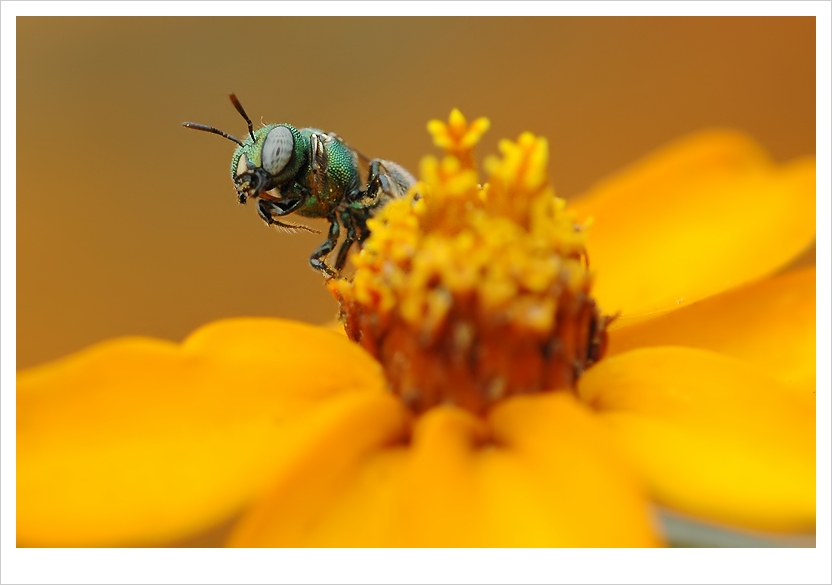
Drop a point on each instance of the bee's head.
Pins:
(265, 158)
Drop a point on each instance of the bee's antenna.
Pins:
(212, 130)
(240, 109)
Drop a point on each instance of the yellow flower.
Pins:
(705, 403)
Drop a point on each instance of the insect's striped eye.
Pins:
(277, 149)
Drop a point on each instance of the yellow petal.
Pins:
(712, 436)
(703, 215)
(333, 463)
(770, 324)
(578, 486)
(140, 441)
(546, 477)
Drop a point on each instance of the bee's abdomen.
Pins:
(400, 178)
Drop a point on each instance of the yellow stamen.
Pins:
(467, 294)
(457, 137)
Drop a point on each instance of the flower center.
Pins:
(469, 294)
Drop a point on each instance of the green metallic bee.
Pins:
(313, 174)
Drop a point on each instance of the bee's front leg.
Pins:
(316, 259)
(268, 209)
(264, 210)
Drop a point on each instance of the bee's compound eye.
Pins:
(277, 149)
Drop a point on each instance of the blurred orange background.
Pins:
(128, 224)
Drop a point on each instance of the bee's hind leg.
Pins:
(341, 260)
(316, 259)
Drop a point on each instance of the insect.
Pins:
(313, 174)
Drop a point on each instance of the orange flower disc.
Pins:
(469, 294)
